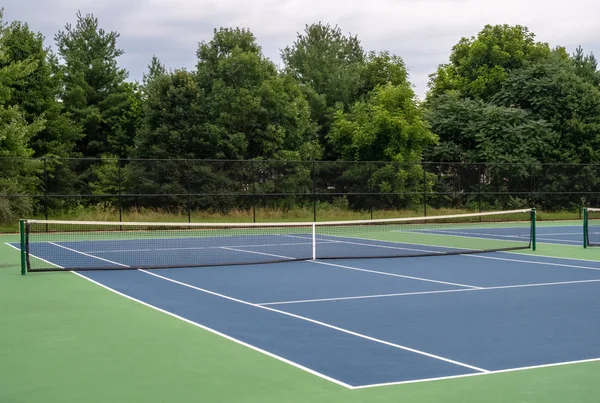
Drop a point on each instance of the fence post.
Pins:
(479, 188)
(314, 190)
(424, 191)
(253, 197)
(533, 229)
(532, 183)
(371, 188)
(119, 190)
(46, 214)
(585, 228)
(189, 196)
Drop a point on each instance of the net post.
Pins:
(314, 241)
(533, 229)
(585, 228)
(23, 246)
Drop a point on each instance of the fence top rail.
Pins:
(488, 164)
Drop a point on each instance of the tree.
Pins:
(17, 173)
(328, 65)
(387, 126)
(553, 91)
(479, 65)
(263, 114)
(492, 148)
(380, 69)
(36, 93)
(93, 85)
(586, 66)
(155, 70)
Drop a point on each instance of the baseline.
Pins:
(405, 294)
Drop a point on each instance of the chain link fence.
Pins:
(61, 188)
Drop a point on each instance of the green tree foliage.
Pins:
(586, 66)
(563, 94)
(94, 89)
(328, 65)
(380, 69)
(235, 106)
(17, 175)
(553, 90)
(479, 65)
(36, 93)
(175, 124)
(473, 131)
(386, 126)
(155, 69)
(263, 114)
(491, 148)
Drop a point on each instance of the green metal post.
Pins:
(585, 227)
(23, 245)
(533, 231)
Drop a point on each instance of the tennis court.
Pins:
(359, 322)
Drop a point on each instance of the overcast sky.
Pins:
(422, 32)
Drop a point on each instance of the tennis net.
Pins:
(591, 227)
(74, 245)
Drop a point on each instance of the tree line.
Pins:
(502, 98)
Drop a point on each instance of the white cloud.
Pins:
(421, 31)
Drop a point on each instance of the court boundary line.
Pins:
(327, 325)
(407, 294)
(500, 371)
(37, 257)
(550, 257)
(534, 262)
(225, 336)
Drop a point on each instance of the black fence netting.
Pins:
(259, 190)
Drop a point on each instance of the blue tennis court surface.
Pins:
(367, 322)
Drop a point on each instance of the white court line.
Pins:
(358, 269)
(563, 241)
(12, 246)
(257, 253)
(533, 262)
(501, 371)
(549, 257)
(403, 294)
(250, 346)
(304, 301)
(559, 233)
(88, 255)
(38, 258)
(466, 233)
(395, 275)
(360, 335)
(204, 247)
(325, 240)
